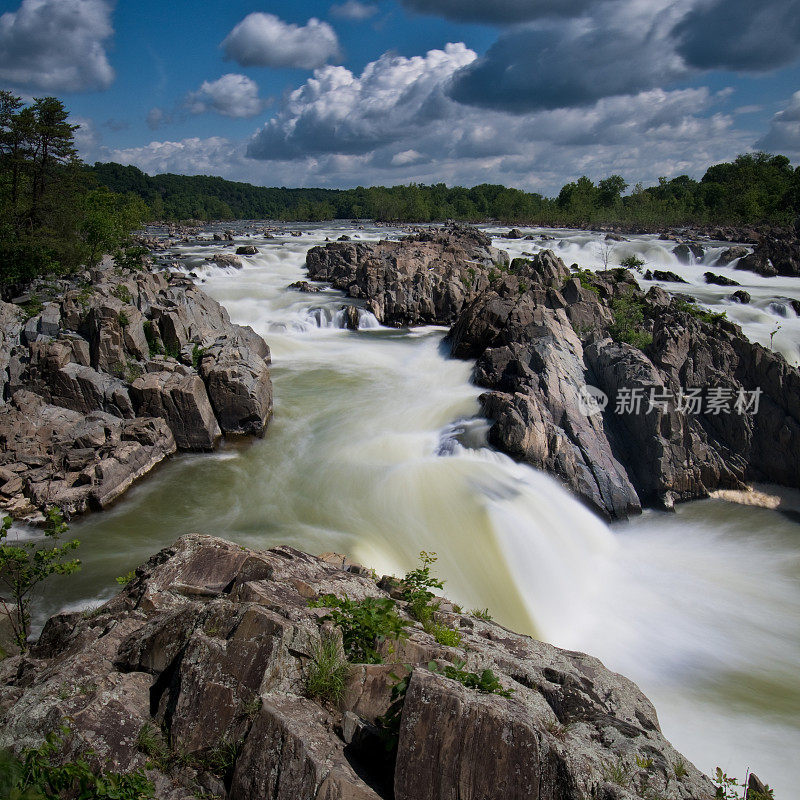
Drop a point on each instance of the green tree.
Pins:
(24, 565)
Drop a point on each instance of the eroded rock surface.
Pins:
(426, 278)
(542, 333)
(149, 362)
(208, 650)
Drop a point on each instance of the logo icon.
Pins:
(591, 400)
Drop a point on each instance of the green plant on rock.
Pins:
(679, 768)
(697, 312)
(123, 293)
(154, 343)
(197, 355)
(628, 314)
(41, 774)
(586, 278)
(729, 788)
(124, 319)
(481, 613)
(327, 671)
(485, 683)
(221, 758)
(33, 306)
(633, 262)
(365, 625)
(25, 565)
(617, 772)
(389, 723)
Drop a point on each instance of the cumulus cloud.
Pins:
(783, 135)
(194, 156)
(56, 45)
(264, 40)
(231, 95)
(354, 10)
(499, 11)
(338, 112)
(740, 34)
(621, 50)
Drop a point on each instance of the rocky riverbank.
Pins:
(541, 332)
(105, 375)
(198, 672)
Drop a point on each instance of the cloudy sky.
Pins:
(529, 93)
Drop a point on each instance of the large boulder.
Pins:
(205, 655)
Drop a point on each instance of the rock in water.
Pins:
(351, 317)
(211, 644)
(426, 278)
(247, 250)
(719, 280)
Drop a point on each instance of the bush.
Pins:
(703, 314)
(628, 323)
(39, 775)
(416, 591)
(485, 683)
(327, 672)
(633, 262)
(365, 624)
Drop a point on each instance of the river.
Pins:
(375, 451)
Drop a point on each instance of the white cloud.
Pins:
(56, 45)
(194, 156)
(783, 135)
(354, 10)
(231, 95)
(157, 118)
(264, 40)
(335, 111)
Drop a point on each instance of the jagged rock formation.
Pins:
(208, 650)
(541, 334)
(777, 254)
(426, 278)
(89, 399)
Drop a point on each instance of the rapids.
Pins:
(374, 451)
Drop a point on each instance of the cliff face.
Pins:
(208, 652)
(109, 377)
(541, 334)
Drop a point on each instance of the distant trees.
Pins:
(52, 216)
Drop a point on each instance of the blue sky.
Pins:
(529, 93)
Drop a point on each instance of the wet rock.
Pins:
(741, 296)
(665, 276)
(688, 253)
(774, 255)
(247, 250)
(731, 254)
(514, 233)
(426, 278)
(351, 316)
(719, 280)
(225, 260)
(304, 286)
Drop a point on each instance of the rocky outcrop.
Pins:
(777, 254)
(198, 673)
(542, 334)
(427, 278)
(152, 362)
(719, 280)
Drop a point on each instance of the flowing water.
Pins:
(375, 452)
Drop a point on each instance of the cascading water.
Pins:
(375, 451)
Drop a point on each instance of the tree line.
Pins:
(54, 214)
(755, 188)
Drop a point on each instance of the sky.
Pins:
(527, 93)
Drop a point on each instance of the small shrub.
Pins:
(150, 743)
(697, 312)
(679, 768)
(389, 723)
(154, 342)
(556, 729)
(728, 788)
(493, 276)
(172, 351)
(444, 635)
(481, 613)
(633, 262)
(327, 672)
(522, 288)
(365, 624)
(586, 277)
(124, 319)
(123, 293)
(197, 355)
(644, 762)
(485, 683)
(40, 773)
(33, 306)
(221, 759)
(628, 314)
(133, 370)
(617, 772)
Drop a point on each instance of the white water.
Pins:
(363, 457)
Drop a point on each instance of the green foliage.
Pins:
(124, 580)
(481, 613)
(327, 671)
(39, 774)
(122, 292)
(485, 683)
(644, 762)
(33, 306)
(53, 215)
(633, 262)
(697, 312)
(586, 277)
(221, 758)
(728, 789)
(172, 351)
(365, 624)
(389, 723)
(617, 772)
(679, 768)
(25, 565)
(628, 314)
(444, 635)
(197, 355)
(124, 320)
